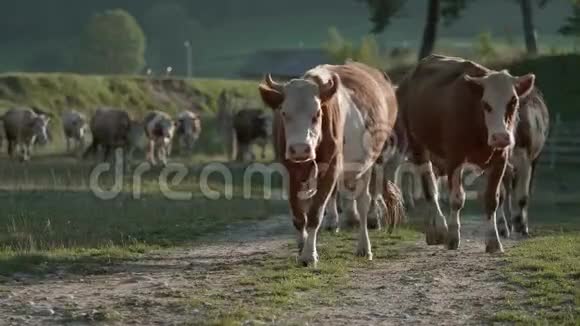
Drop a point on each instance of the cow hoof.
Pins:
(373, 224)
(503, 232)
(453, 237)
(435, 236)
(453, 244)
(308, 260)
(361, 252)
(493, 246)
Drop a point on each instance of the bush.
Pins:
(112, 43)
(484, 47)
(366, 52)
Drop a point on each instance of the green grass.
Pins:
(51, 217)
(546, 272)
(276, 285)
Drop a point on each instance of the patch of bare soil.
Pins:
(425, 285)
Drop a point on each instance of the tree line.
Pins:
(382, 12)
(114, 42)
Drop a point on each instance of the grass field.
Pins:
(51, 221)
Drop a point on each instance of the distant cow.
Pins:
(113, 128)
(251, 126)
(74, 126)
(23, 128)
(187, 130)
(331, 124)
(159, 129)
(461, 112)
(531, 135)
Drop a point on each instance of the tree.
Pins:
(337, 47)
(572, 25)
(112, 43)
(383, 11)
(369, 52)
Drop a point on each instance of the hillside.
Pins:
(556, 77)
(58, 92)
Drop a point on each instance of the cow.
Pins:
(113, 128)
(530, 137)
(462, 112)
(225, 122)
(74, 126)
(159, 129)
(251, 126)
(23, 128)
(187, 130)
(330, 125)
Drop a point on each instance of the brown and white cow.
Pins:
(74, 126)
(187, 130)
(463, 113)
(23, 128)
(531, 134)
(159, 129)
(251, 126)
(331, 123)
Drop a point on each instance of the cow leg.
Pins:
(11, 148)
(523, 176)
(326, 185)
(331, 221)
(503, 226)
(67, 144)
(456, 202)
(363, 201)
(350, 213)
(377, 205)
(435, 223)
(150, 152)
(496, 171)
(377, 212)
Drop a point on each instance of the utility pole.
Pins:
(189, 59)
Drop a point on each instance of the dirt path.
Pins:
(426, 285)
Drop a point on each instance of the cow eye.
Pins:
(487, 107)
(513, 102)
(316, 117)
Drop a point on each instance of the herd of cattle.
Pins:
(22, 128)
(337, 128)
(333, 125)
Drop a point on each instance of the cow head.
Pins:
(39, 128)
(300, 103)
(79, 128)
(500, 95)
(189, 128)
(167, 128)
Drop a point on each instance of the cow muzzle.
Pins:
(300, 153)
(501, 140)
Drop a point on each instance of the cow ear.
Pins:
(475, 84)
(524, 84)
(271, 97)
(329, 89)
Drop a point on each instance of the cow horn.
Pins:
(329, 88)
(274, 85)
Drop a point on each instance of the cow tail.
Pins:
(395, 214)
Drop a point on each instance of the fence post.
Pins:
(554, 141)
